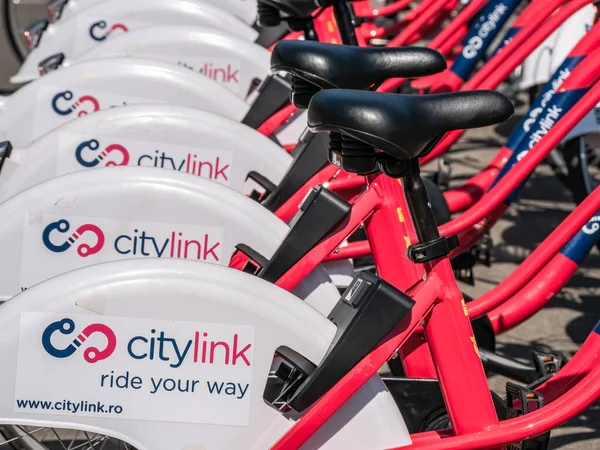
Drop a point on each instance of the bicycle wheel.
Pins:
(15, 437)
(577, 165)
(16, 15)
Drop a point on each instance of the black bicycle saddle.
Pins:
(330, 66)
(403, 125)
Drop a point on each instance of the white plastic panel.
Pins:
(126, 212)
(244, 9)
(543, 62)
(126, 300)
(235, 63)
(166, 136)
(89, 86)
(96, 24)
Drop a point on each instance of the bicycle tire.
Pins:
(574, 173)
(576, 178)
(12, 30)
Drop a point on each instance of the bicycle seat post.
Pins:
(430, 245)
(419, 204)
(344, 16)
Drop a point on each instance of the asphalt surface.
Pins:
(568, 318)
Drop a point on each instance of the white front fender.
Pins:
(95, 25)
(89, 86)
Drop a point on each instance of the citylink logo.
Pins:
(99, 31)
(85, 104)
(63, 226)
(222, 73)
(90, 354)
(169, 243)
(92, 146)
(88, 154)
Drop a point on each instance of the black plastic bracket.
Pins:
(309, 157)
(257, 261)
(264, 182)
(428, 251)
(5, 151)
(273, 94)
(319, 213)
(51, 63)
(267, 36)
(367, 311)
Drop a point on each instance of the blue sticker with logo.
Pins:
(508, 37)
(582, 243)
(558, 78)
(482, 33)
(555, 109)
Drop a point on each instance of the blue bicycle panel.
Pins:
(545, 120)
(482, 33)
(585, 239)
(542, 100)
(509, 36)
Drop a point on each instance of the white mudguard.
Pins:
(243, 9)
(545, 60)
(130, 317)
(235, 63)
(116, 213)
(164, 136)
(90, 86)
(96, 24)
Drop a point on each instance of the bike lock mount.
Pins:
(368, 310)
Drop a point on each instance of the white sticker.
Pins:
(56, 244)
(227, 72)
(56, 105)
(87, 151)
(126, 368)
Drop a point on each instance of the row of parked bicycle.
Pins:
(248, 295)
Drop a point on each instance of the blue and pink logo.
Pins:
(86, 104)
(83, 250)
(122, 155)
(90, 354)
(100, 30)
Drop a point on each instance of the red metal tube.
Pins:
(500, 66)
(585, 361)
(446, 39)
(429, 13)
(463, 197)
(523, 168)
(388, 10)
(466, 393)
(538, 259)
(533, 297)
(575, 387)
(277, 119)
(559, 237)
(578, 398)
(351, 250)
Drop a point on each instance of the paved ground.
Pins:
(566, 321)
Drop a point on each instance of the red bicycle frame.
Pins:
(445, 318)
(498, 68)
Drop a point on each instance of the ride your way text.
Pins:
(164, 384)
